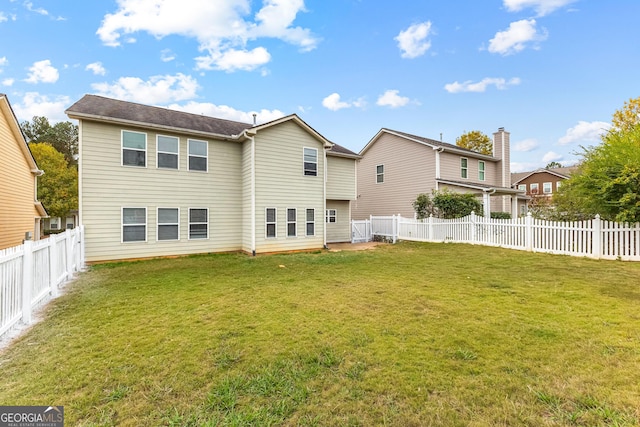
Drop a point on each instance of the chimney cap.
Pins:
(500, 129)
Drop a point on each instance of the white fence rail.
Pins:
(34, 271)
(594, 238)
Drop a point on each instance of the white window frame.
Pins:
(307, 222)
(122, 148)
(206, 156)
(158, 152)
(331, 214)
(160, 224)
(534, 186)
(197, 223)
(464, 168)
(481, 170)
(522, 187)
(379, 174)
(123, 225)
(294, 222)
(558, 184)
(305, 171)
(547, 186)
(267, 223)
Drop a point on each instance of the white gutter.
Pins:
(251, 136)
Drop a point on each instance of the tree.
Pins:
(476, 141)
(423, 205)
(63, 136)
(628, 117)
(553, 165)
(58, 187)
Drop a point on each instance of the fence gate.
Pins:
(360, 231)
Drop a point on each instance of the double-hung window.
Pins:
(168, 224)
(533, 188)
(270, 222)
(291, 222)
(311, 222)
(134, 148)
(481, 167)
(310, 161)
(167, 148)
(547, 188)
(464, 167)
(522, 187)
(198, 153)
(134, 224)
(331, 215)
(198, 223)
(379, 174)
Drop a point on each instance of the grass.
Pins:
(404, 335)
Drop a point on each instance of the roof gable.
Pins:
(563, 173)
(14, 126)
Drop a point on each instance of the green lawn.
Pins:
(403, 335)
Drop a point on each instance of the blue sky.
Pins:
(551, 72)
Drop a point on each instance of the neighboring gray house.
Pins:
(157, 182)
(395, 167)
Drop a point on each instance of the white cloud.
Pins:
(584, 132)
(524, 166)
(516, 37)
(542, 7)
(334, 103)
(8, 82)
(413, 41)
(96, 68)
(481, 86)
(156, 90)
(551, 156)
(34, 104)
(30, 8)
(3, 61)
(526, 145)
(3, 17)
(42, 72)
(166, 55)
(221, 28)
(391, 99)
(226, 112)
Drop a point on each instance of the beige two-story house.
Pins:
(20, 211)
(158, 182)
(396, 167)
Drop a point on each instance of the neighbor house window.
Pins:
(379, 174)
(522, 187)
(310, 161)
(533, 188)
(197, 155)
(463, 168)
(331, 215)
(134, 224)
(134, 148)
(311, 222)
(291, 222)
(270, 222)
(198, 223)
(168, 224)
(167, 148)
(546, 187)
(558, 184)
(480, 170)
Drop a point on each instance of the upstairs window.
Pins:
(480, 170)
(168, 224)
(546, 187)
(310, 161)
(291, 222)
(558, 184)
(134, 224)
(198, 152)
(522, 187)
(270, 222)
(533, 188)
(463, 168)
(134, 148)
(379, 174)
(167, 148)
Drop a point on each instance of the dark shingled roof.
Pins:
(339, 149)
(99, 107)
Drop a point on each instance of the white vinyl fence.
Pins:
(594, 238)
(35, 271)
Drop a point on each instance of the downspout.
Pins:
(324, 201)
(438, 150)
(487, 206)
(249, 134)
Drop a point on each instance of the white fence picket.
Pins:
(34, 271)
(595, 238)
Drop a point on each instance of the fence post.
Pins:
(53, 285)
(528, 232)
(430, 228)
(472, 219)
(68, 262)
(27, 280)
(596, 237)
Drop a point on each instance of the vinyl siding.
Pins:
(450, 168)
(281, 184)
(341, 178)
(17, 189)
(409, 169)
(107, 187)
(339, 231)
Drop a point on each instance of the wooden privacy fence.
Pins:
(593, 238)
(34, 271)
